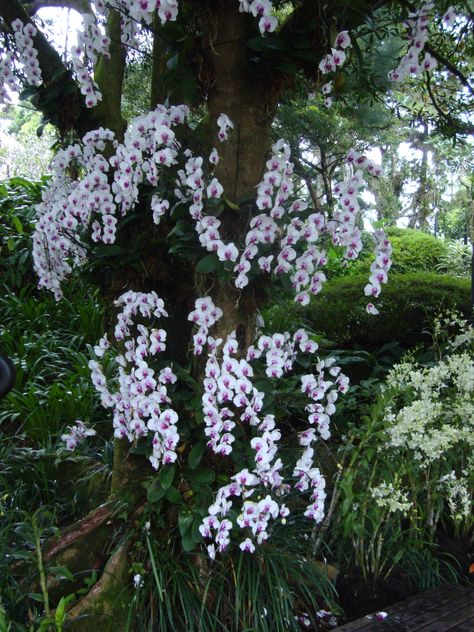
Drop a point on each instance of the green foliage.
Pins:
(407, 304)
(26, 144)
(413, 251)
(47, 342)
(455, 219)
(426, 568)
(456, 260)
(17, 199)
(136, 89)
(262, 592)
(53, 386)
(42, 484)
(405, 466)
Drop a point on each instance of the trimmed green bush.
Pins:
(413, 251)
(407, 305)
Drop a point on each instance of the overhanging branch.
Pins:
(49, 60)
(459, 126)
(439, 57)
(81, 6)
(450, 67)
(71, 112)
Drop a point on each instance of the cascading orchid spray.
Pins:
(285, 238)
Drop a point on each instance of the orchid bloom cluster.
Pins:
(141, 405)
(205, 315)
(143, 10)
(260, 9)
(333, 60)
(412, 63)
(91, 205)
(449, 18)
(8, 80)
(429, 428)
(24, 34)
(438, 418)
(91, 42)
(77, 433)
(230, 397)
(378, 269)
(27, 56)
(135, 12)
(69, 205)
(298, 254)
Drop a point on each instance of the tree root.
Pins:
(72, 536)
(82, 548)
(106, 605)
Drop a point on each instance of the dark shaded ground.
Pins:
(358, 597)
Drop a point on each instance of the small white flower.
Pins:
(137, 580)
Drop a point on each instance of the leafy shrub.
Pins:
(413, 251)
(17, 199)
(272, 590)
(407, 305)
(408, 467)
(456, 260)
(47, 342)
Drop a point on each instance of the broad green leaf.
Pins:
(202, 475)
(166, 475)
(185, 521)
(195, 533)
(18, 224)
(36, 597)
(188, 542)
(155, 492)
(173, 496)
(60, 611)
(27, 93)
(111, 250)
(210, 263)
(286, 67)
(196, 454)
(232, 205)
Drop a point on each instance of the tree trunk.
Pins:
(241, 166)
(245, 96)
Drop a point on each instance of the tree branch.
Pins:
(81, 6)
(439, 57)
(49, 60)
(309, 184)
(71, 112)
(109, 74)
(449, 66)
(459, 126)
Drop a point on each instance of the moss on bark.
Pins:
(106, 606)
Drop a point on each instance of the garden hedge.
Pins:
(407, 306)
(413, 251)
